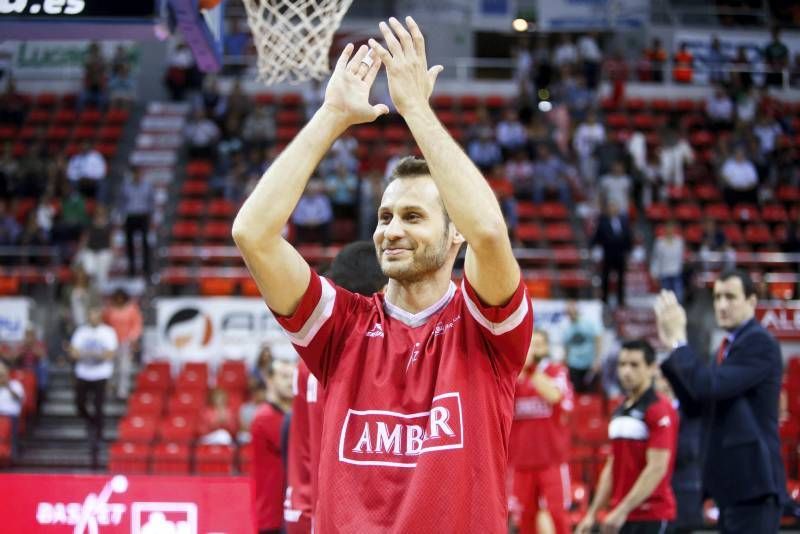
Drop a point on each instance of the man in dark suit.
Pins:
(739, 393)
(613, 234)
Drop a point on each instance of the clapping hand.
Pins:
(410, 80)
(670, 319)
(347, 94)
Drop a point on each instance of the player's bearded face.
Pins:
(413, 238)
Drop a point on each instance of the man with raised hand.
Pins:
(419, 381)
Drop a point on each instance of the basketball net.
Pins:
(293, 37)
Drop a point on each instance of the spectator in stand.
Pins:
(655, 57)
(717, 62)
(259, 127)
(87, 170)
(313, 216)
(746, 107)
(792, 242)
(767, 130)
(9, 168)
(542, 64)
(12, 398)
(618, 74)
(125, 317)
(344, 151)
(94, 253)
(138, 202)
(92, 348)
(519, 172)
(683, 65)
(577, 97)
(539, 443)
(523, 68)
(550, 175)
(739, 179)
(269, 436)
(666, 264)
(263, 358)
(313, 96)
(794, 72)
(484, 151)
(247, 412)
(45, 212)
(31, 355)
(776, 57)
(13, 105)
(182, 73)
(635, 480)
(32, 235)
(10, 229)
(212, 100)
(719, 110)
(94, 91)
(510, 132)
(583, 345)
(122, 59)
(218, 424)
(588, 136)
(675, 154)
(565, 53)
(202, 135)
(742, 72)
(122, 88)
(591, 57)
(613, 235)
(239, 102)
(615, 187)
(81, 296)
(342, 189)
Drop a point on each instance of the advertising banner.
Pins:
(781, 318)
(569, 15)
(213, 329)
(14, 315)
(36, 60)
(117, 504)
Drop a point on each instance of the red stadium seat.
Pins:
(216, 286)
(249, 288)
(66, 116)
(38, 116)
(634, 104)
(171, 459)
(146, 404)
(89, 117)
(719, 212)
(129, 458)
(199, 169)
(661, 105)
(5, 429)
(185, 230)
(469, 101)
(194, 188)
(495, 101)
(288, 117)
(774, 213)
(733, 233)
(553, 211)
(707, 193)
(232, 376)
(443, 101)
(187, 403)
(193, 376)
(746, 212)
(527, 210)
(245, 458)
(265, 99)
(288, 100)
(191, 208)
(693, 233)
(221, 208)
(688, 212)
(217, 230)
(559, 233)
(213, 460)
(177, 429)
(658, 212)
(757, 234)
(117, 116)
(788, 193)
(617, 121)
(137, 429)
(529, 232)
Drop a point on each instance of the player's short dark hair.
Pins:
(643, 346)
(747, 282)
(414, 167)
(356, 269)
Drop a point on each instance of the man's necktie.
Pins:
(721, 350)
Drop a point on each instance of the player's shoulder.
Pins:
(267, 412)
(660, 406)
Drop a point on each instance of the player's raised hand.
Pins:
(670, 319)
(347, 93)
(410, 80)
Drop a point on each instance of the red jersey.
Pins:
(540, 434)
(305, 434)
(418, 407)
(650, 423)
(267, 471)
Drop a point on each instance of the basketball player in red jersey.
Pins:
(420, 380)
(539, 448)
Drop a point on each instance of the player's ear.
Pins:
(458, 239)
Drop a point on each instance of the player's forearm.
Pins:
(469, 200)
(603, 492)
(268, 208)
(546, 388)
(644, 486)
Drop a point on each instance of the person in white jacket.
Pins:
(666, 264)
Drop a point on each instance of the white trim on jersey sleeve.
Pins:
(498, 329)
(322, 312)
